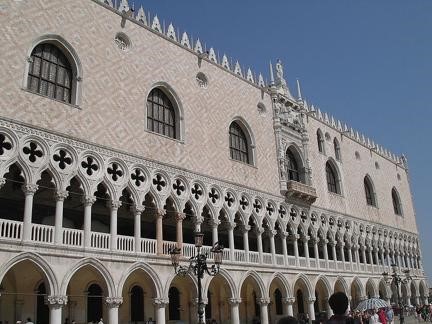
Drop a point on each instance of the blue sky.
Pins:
(369, 63)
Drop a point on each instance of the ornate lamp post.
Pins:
(198, 266)
(397, 280)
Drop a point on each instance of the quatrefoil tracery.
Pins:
(115, 171)
(178, 187)
(244, 203)
(32, 151)
(89, 165)
(159, 182)
(196, 191)
(138, 177)
(229, 199)
(214, 195)
(4, 144)
(63, 159)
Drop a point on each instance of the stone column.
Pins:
(231, 226)
(325, 242)
(370, 257)
(160, 304)
(272, 234)
(88, 202)
(376, 255)
(363, 251)
(60, 196)
(328, 310)
(284, 246)
(288, 303)
(296, 252)
(29, 191)
(115, 205)
(306, 249)
(333, 245)
(342, 252)
(311, 308)
(264, 311)
(160, 213)
(259, 232)
(214, 225)
(235, 315)
(382, 257)
(350, 258)
(113, 304)
(417, 300)
(56, 304)
(179, 230)
(137, 210)
(245, 230)
(316, 252)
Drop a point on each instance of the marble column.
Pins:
(357, 256)
(88, 203)
(114, 205)
(288, 305)
(113, 304)
(296, 252)
(342, 252)
(306, 249)
(231, 226)
(55, 305)
(60, 196)
(259, 232)
(160, 213)
(311, 308)
(316, 252)
(272, 234)
(329, 311)
(29, 191)
(325, 251)
(363, 251)
(160, 305)
(235, 314)
(214, 225)
(246, 229)
(264, 310)
(333, 245)
(284, 246)
(179, 217)
(350, 258)
(137, 211)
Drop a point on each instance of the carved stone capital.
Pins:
(234, 301)
(137, 209)
(245, 228)
(29, 189)
(272, 232)
(311, 300)
(115, 204)
(113, 302)
(264, 301)
(160, 213)
(259, 230)
(89, 200)
(288, 300)
(61, 195)
(57, 301)
(231, 225)
(160, 302)
(2, 182)
(284, 234)
(214, 222)
(179, 217)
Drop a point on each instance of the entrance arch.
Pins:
(356, 292)
(182, 295)
(322, 294)
(278, 291)
(219, 290)
(303, 294)
(251, 290)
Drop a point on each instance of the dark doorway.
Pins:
(42, 311)
(174, 304)
(137, 304)
(94, 303)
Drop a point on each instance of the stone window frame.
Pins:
(67, 49)
(370, 193)
(396, 202)
(250, 140)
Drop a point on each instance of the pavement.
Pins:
(410, 320)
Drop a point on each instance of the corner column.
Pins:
(296, 253)
(259, 232)
(306, 250)
(272, 234)
(55, 305)
(333, 245)
(29, 191)
(214, 225)
(113, 304)
(316, 252)
(60, 196)
(325, 250)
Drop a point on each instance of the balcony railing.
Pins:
(301, 191)
(12, 231)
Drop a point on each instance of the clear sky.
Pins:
(369, 63)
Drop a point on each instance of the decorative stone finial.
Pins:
(280, 81)
(171, 32)
(140, 17)
(185, 40)
(124, 6)
(249, 76)
(261, 80)
(198, 47)
(156, 24)
(225, 63)
(212, 55)
(237, 69)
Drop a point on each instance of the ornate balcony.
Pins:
(301, 191)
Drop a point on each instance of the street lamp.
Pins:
(397, 279)
(198, 266)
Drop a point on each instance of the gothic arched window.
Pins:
(238, 143)
(397, 206)
(292, 167)
(369, 192)
(320, 140)
(337, 149)
(332, 179)
(161, 116)
(50, 73)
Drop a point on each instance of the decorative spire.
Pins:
(171, 32)
(225, 63)
(124, 6)
(156, 24)
(237, 69)
(198, 47)
(249, 76)
(299, 94)
(212, 55)
(271, 74)
(141, 16)
(280, 81)
(185, 40)
(261, 80)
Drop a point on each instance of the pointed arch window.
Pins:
(337, 149)
(238, 143)
(161, 116)
(369, 192)
(292, 166)
(50, 73)
(320, 140)
(332, 179)
(397, 206)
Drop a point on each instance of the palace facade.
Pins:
(121, 137)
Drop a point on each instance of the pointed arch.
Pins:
(337, 149)
(370, 193)
(295, 164)
(40, 262)
(357, 283)
(343, 284)
(303, 279)
(241, 141)
(396, 200)
(320, 141)
(325, 282)
(256, 278)
(98, 266)
(333, 177)
(149, 271)
(287, 291)
(228, 279)
(371, 283)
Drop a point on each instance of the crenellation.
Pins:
(171, 32)
(198, 47)
(237, 69)
(225, 62)
(212, 55)
(141, 16)
(185, 40)
(156, 24)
